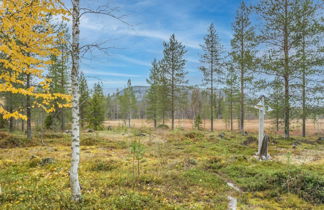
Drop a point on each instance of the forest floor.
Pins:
(176, 170)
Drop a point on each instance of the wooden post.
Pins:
(261, 124)
(261, 107)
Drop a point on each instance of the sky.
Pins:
(132, 47)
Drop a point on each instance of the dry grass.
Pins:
(312, 128)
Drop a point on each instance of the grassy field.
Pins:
(313, 128)
(161, 169)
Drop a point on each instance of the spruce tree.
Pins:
(173, 67)
(211, 69)
(57, 72)
(96, 113)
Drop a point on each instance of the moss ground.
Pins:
(178, 170)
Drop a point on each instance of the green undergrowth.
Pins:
(178, 170)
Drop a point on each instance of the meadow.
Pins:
(141, 168)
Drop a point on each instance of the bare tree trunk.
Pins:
(23, 125)
(172, 100)
(304, 110)
(28, 110)
(231, 111)
(75, 156)
(211, 98)
(286, 74)
(242, 84)
(154, 120)
(62, 85)
(11, 119)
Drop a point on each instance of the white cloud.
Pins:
(133, 60)
(105, 73)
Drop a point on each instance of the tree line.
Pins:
(278, 54)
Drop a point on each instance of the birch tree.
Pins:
(211, 69)
(75, 155)
(75, 54)
(27, 40)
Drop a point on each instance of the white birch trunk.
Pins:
(75, 156)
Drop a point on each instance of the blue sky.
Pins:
(134, 46)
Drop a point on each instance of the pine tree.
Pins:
(96, 107)
(211, 69)
(84, 99)
(280, 34)
(231, 92)
(127, 103)
(309, 58)
(243, 45)
(153, 96)
(173, 65)
(276, 101)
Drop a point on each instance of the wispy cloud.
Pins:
(105, 73)
(133, 60)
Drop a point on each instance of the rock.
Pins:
(294, 146)
(33, 157)
(190, 162)
(264, 148)
(90, 131)
(320, 140)
(46, 161)
(68, 131)
(249, 140)
(221, 135)
(140, 134)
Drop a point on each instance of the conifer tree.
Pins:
(127, 102)
(231, 91)
(211, 69)
(84, 99)
(243, 45)
(58, 74)
(280, 35)
(309, 58)
(276, 101)
(153, 96)
(173, 65)
(96, 107)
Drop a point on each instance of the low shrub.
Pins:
(305, 184)
(13, 141)
(104, 165)
(163, 126)
(195, 135)
(132, 201)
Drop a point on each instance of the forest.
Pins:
(249, 135)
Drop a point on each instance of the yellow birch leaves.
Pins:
(26, 43)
